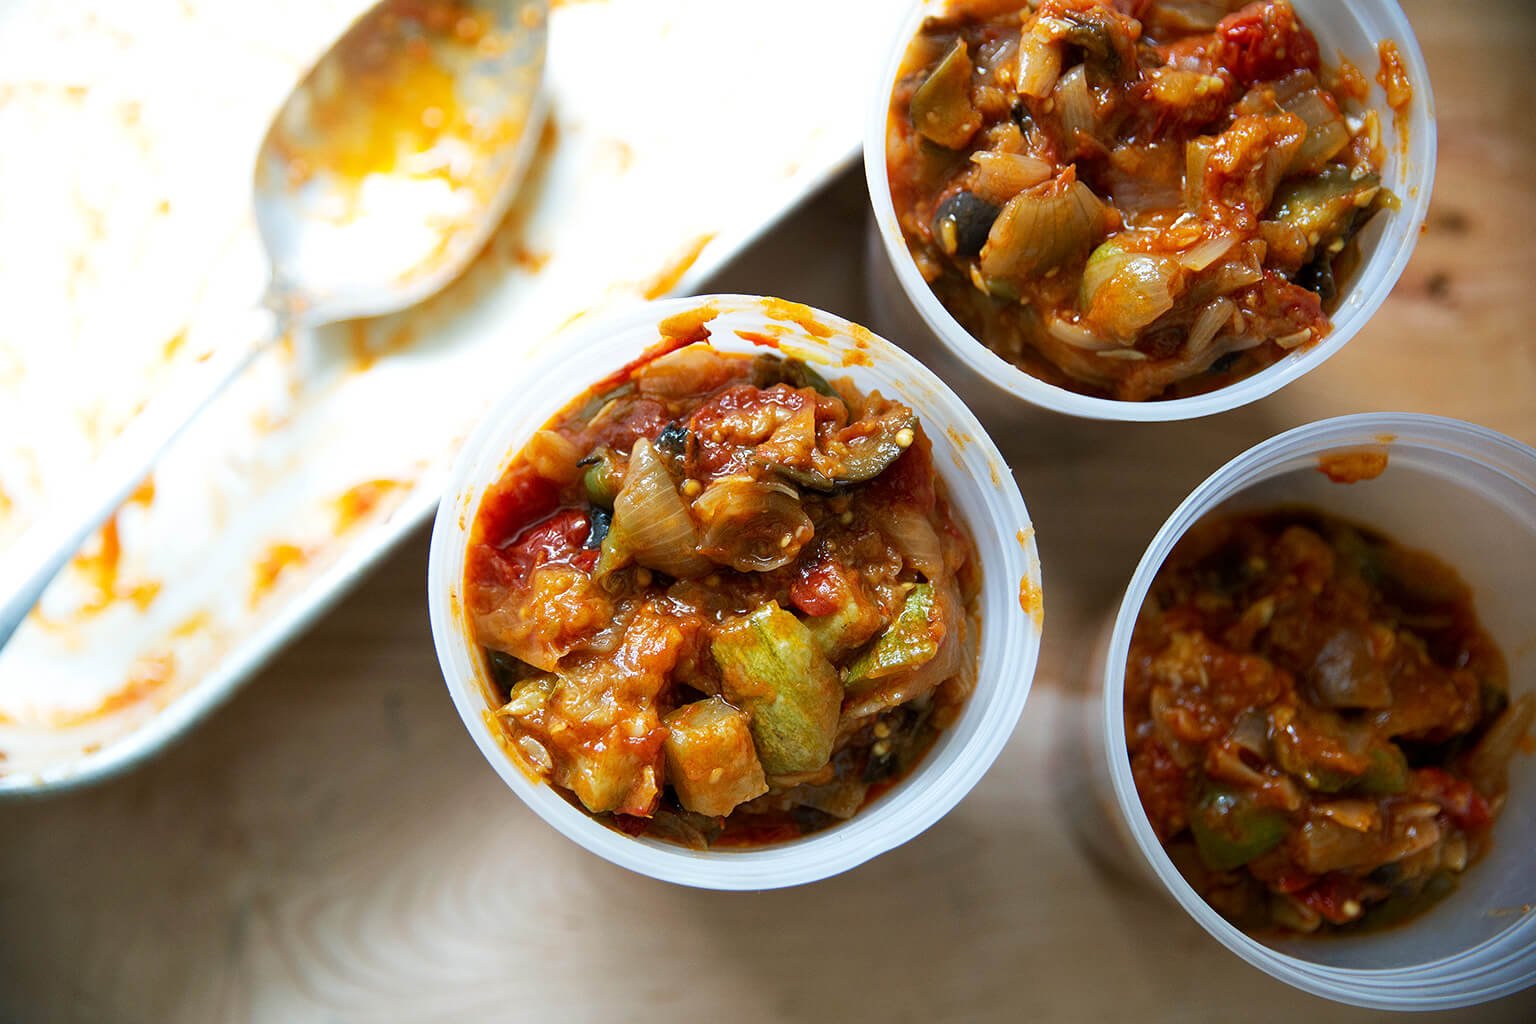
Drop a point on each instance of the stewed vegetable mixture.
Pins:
(1319, 729)
(724, 600)
(1131, 199)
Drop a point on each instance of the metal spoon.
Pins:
(382, 175)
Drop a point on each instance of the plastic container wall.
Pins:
(1468, 495)
(981, 491)
(1350, 30)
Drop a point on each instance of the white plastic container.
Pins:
(1351, 29)
(981, 491)
(1468, 495)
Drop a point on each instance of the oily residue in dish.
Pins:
(664, 282)
(148, 676)
(99, 565)
(361, 501)
(365, 355)
(274, 563)
(1352, 467)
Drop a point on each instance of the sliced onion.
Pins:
(1326, 132)
(1488, 767)
(1135, 194)
(1223, 761)
(1001, 176)
(1042, 229)
(1207, 252)
(1236, 274)
(1251, 733)
(1213, 317)
(651, 525)
(1123, 291)
(1078, 336)
(1355, 815)
(1188, 15)
(690, 370)
(1074, 104)
(908, 530)
(1039, 63)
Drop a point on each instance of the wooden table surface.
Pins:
(331, 846)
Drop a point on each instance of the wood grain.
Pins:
(330, 845)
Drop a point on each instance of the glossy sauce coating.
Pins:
(1319, 727)
(723, 600)
(1132, 200)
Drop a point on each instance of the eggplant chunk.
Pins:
(770, 667)
(910, 641)
(768, 370)
(711, 762)
(861, 452)
(1325, 206)
(941, 108)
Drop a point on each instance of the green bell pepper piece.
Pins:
(1230, 829)
(1388, 771)
(909, 641)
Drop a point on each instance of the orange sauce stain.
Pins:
(147, 676)
(1032, 601)
(366, 355)
(1352, 467)
(5, 504)
(570, 320)
(529, 261)
(857, 357)
(174, 345)
(357, 344)
(1386, 438)
(997, 480)
(412, 96)
(688, 326)
(1024, 536)
(623, 154)
(192, 625)
(1393, 77)
(1349, 82)
(758, 338)
(98, 565)
(956, 438)
(796, 313)
(664, 282)
(360, 501)
(273, 564)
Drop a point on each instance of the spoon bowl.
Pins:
(393, 160)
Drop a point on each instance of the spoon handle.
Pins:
(37, 556)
